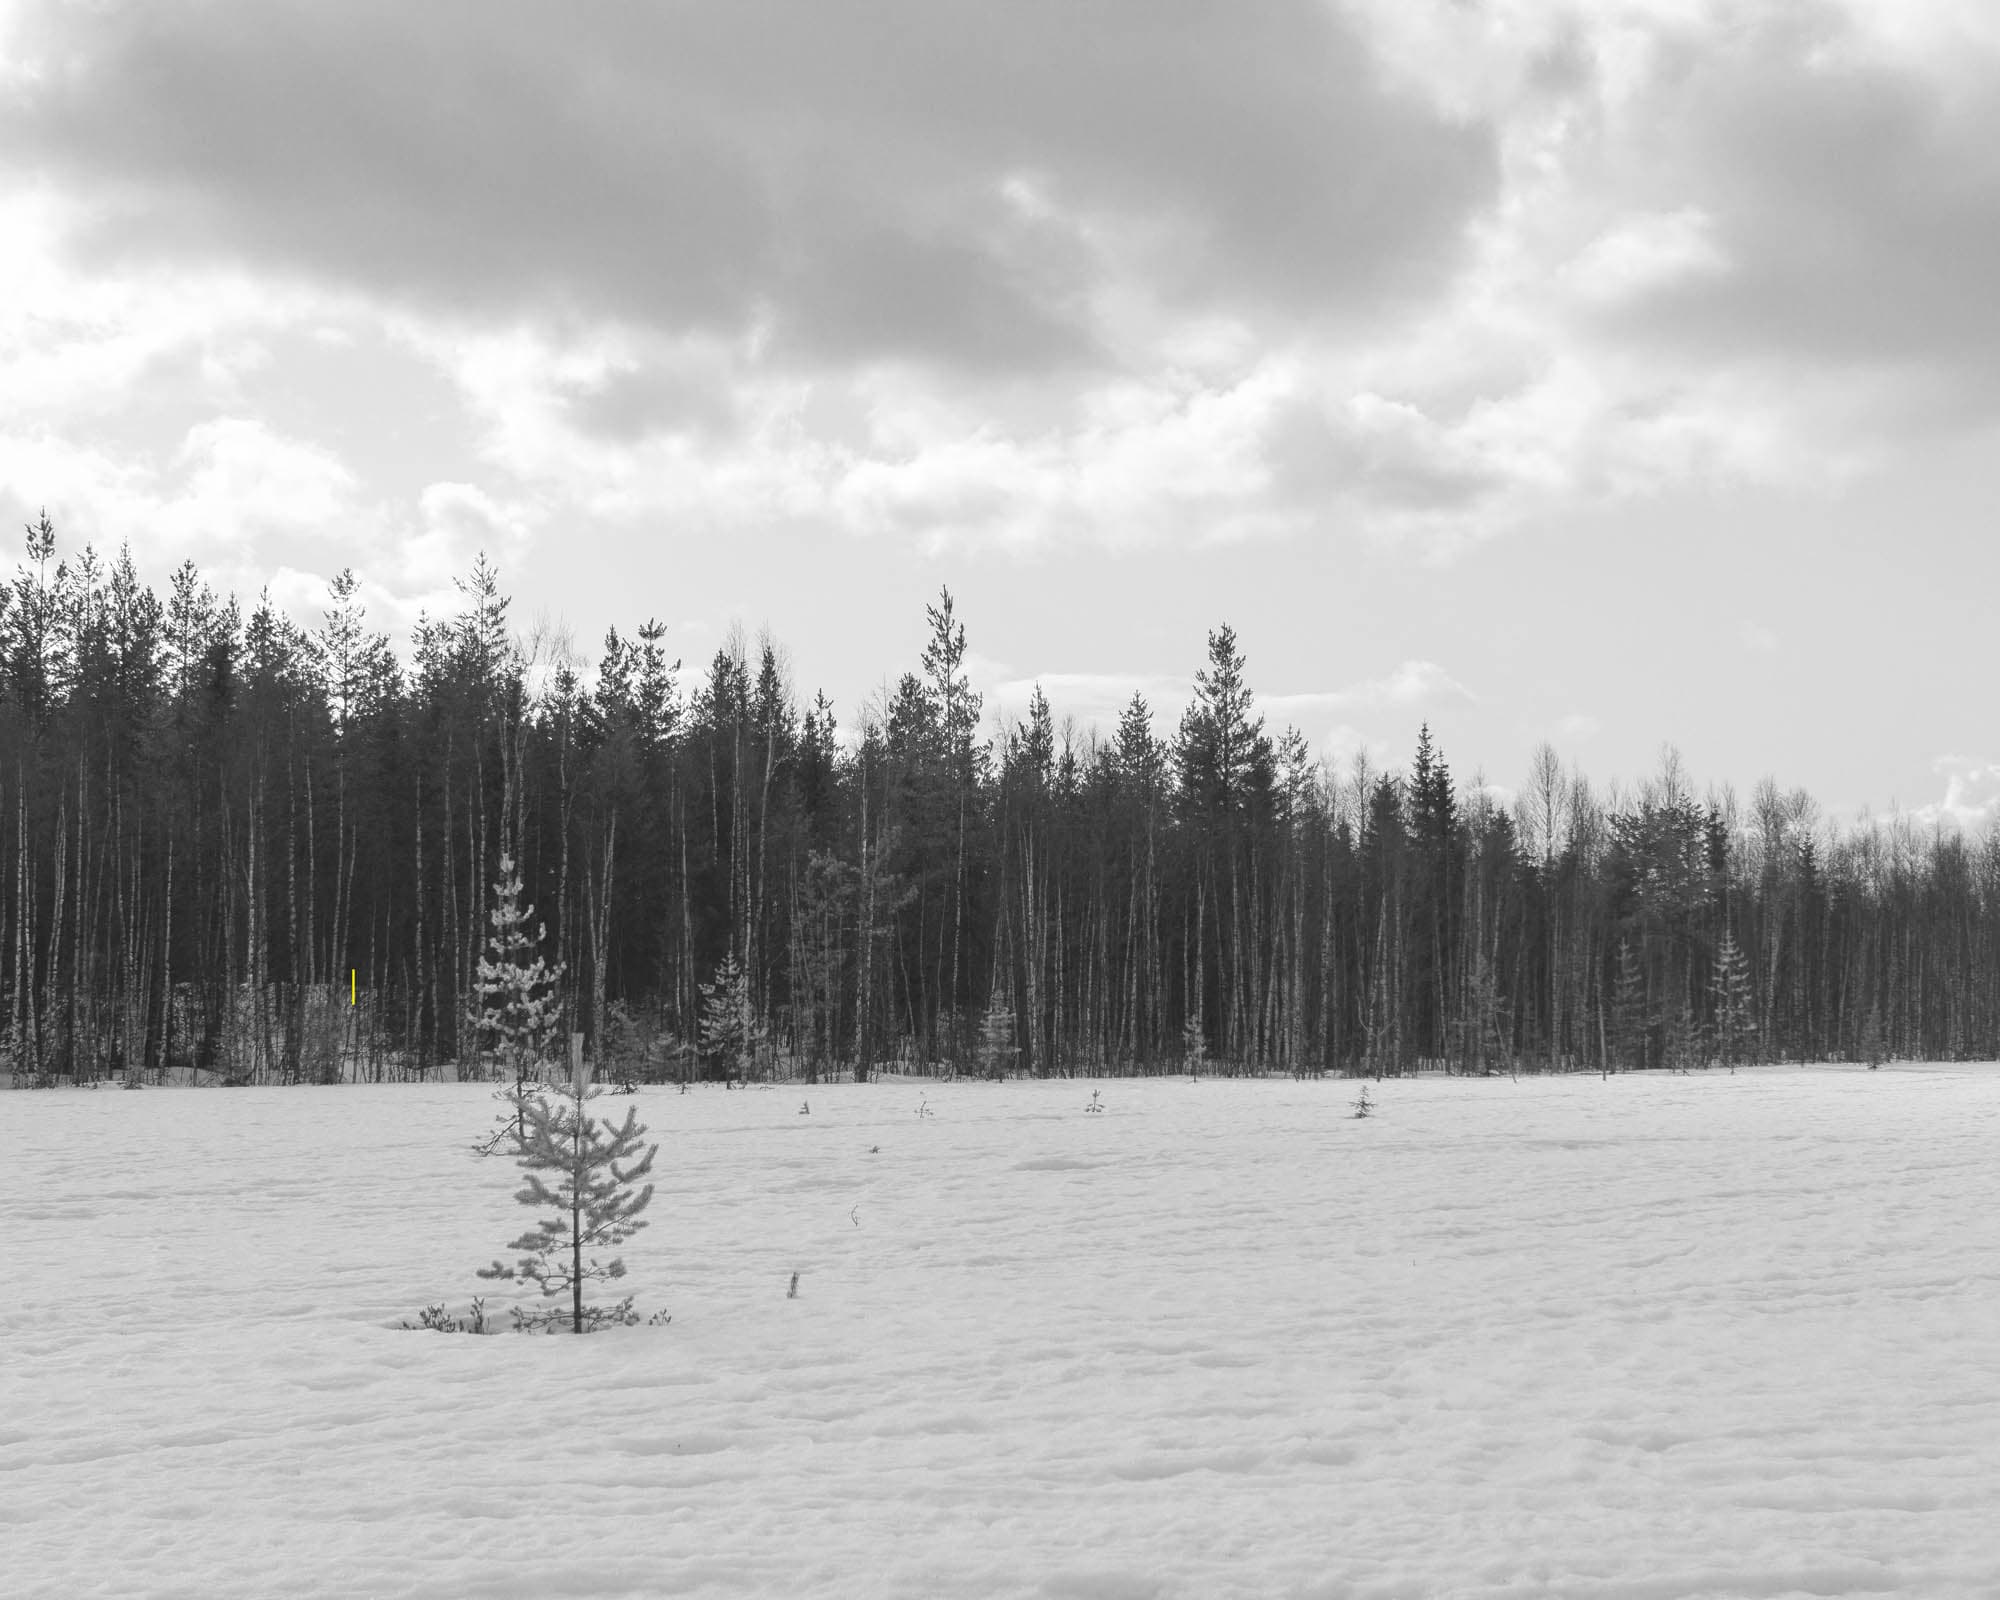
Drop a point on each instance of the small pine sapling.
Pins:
(593, 1193)
(1362, 1108)
(621, 1047)
(1874, 1049)
(1194, 1047)
(1096, 1100)
(996, 1037)
(1631, 1024)
(623, 1079)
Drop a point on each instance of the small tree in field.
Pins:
(1874, 1049)
(1629, 1022)
(592, 1194)
(996, 1037)
(728, 1030)
(517, 989)
(1735, 1022)
(1194, 1047)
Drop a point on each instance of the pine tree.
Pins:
(1628, 1010)
(1680, 1040)
(996, 1036)
(729, 1033)
(1194, 1047)
(1735, 1026)
(1481, 1025)
(516, 987)
(594, 1197)
(1874, 1050)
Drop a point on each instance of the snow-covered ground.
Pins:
(1646, 1338)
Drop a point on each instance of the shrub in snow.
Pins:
(585, 1173)
(1361, 1107)
(1096, 1100)
(437, 1321)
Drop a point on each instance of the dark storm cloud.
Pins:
(830, 174)
(1855, 201)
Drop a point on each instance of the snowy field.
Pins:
(1644, 1339)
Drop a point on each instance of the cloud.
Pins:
(1858, 205)
(455, 524)
(1643, 255)
(1971, 794)
(849, 177)
(230, 483)
(1343, 743)
(1092, 698)
(965, 276)
(1413, 683)
(240, 477)
(1578, 726)
(1757, 638)
(1744, 244)
(1014, 277)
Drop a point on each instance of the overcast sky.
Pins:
(1616, 373)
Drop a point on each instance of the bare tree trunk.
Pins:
(864, 953)
(600, 936)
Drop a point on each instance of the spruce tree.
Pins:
(1874, 1048)
(593, 1196)
(1194, 1047)
(1680, 1040)
(518, 1007)
(996, 1036)
(1628, 1010)
(728, 1031)
(1735, 1025)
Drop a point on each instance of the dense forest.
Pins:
(234, 850)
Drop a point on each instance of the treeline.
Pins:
(232, 847)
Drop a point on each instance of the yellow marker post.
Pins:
(350, 986)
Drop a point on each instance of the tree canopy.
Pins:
(216, 827)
